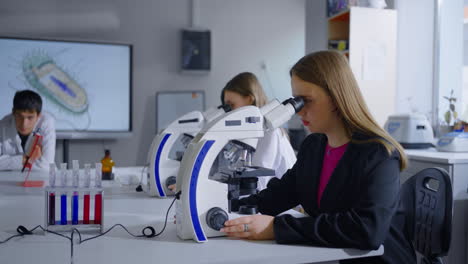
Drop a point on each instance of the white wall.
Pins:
(451, 56)
(316, 26)
(415, 56)
(247, 34)
(244, 33)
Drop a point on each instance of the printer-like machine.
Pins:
(412, 131)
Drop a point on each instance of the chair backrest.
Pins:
(428, 201)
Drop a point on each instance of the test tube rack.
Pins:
(67, 208)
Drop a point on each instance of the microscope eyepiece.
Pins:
(225, 107)
(296, 102)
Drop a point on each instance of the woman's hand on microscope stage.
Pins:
(256, 227)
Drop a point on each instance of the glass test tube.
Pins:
(98, 196)
(51, 213)
(98, 175)
(75, 208)
(87, 181)
(75, 183)
(63, 174)
(76, 173)
(63, 196)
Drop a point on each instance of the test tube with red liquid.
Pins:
(51, 208)
(98, 196)
(87, 182)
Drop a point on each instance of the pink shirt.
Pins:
(331, 158)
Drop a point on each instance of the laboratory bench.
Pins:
(135, 210)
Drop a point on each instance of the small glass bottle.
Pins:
(107, 164)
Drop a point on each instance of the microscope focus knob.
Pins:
(216, 217)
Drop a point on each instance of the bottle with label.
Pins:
(107, 164)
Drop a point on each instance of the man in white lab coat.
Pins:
(17, 131)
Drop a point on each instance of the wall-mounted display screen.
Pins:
(86, 86)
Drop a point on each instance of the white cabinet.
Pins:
(456, 164)
(368, 37)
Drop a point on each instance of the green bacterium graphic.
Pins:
(46, 76)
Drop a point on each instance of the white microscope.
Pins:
(216, 168)
(168, 147)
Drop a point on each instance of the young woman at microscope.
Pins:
(346, 176)
(274, 151)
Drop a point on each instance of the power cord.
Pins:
(22, 231)
(139, 188)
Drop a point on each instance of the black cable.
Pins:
(22, 231)
(139, 188)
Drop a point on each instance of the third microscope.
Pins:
(168, 147)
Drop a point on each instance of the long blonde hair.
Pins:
(246, 84)
(330, 70)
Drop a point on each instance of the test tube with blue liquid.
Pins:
(75, 184)
(86, 197)
(51, 208)
(63, 196)
(98, 196)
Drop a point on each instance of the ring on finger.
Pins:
(246, 228)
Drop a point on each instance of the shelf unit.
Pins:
(370, 37)
(338, 30)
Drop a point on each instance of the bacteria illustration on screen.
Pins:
(85, 86)
(43, 73)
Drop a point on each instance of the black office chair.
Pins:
(428, 201)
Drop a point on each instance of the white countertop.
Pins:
(25, 206)
(433, 155)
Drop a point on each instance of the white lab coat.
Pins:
(274, 152)
(11, 152)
